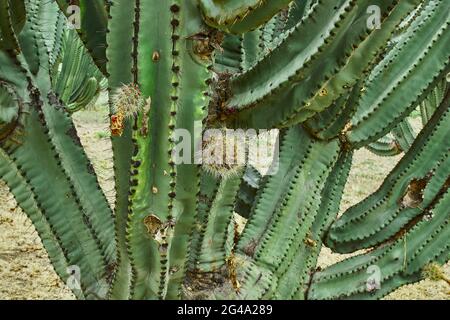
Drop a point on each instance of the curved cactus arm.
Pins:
(77, 83)
(55, 43)
(67, 146)
(399, 140)
(79, 229)
(285, 210)
(26, 199)
(65, 181)
(49, 27)
(82, 176)
(93, 21)
(209, 187)
(259, 280)
(376, 273)
(406, 196)
(212, 254)
(41, 38)
(434, 99)
(385, 147)
(300, 82)
(404, 134)
(272, 187)
(76, 229)
(52, 24)
(413, 67)
(252, 48)
(250, 184)
(229, 58)
(331, 122)
(295, 282)
(12, 20)
(237, 16)
(297, 11)
(253, 84)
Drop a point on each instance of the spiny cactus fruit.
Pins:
(333, 76)
(223, 153)
(127, 102)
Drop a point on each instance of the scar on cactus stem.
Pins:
(231, 259)
(218, 108)
(232, 272)
(204, 44)
(156, 56)
(12, 130)
(117, 125)
(343, 136)
(127, 102)
(144, 126)
(309, 241)
(153, 224)
(414, 195)
(158, 230)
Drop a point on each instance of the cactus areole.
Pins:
(331, 76)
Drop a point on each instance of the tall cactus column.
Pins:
(168, 67)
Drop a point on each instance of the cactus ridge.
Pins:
(400, 260)
(248, 189)
(237, 16)
(385, 147)
(231, 59)
(301, 102)
(122, 69)
(406, 193)
(370, 115)
(94, 26)
(212, 254)
(209, 187)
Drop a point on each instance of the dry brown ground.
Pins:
(25, 271)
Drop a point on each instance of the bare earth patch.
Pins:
(25, 270)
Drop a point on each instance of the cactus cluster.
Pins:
(314, 69)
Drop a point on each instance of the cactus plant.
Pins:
(315, 70)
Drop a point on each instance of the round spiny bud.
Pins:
(223, 153)
(128, 100)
